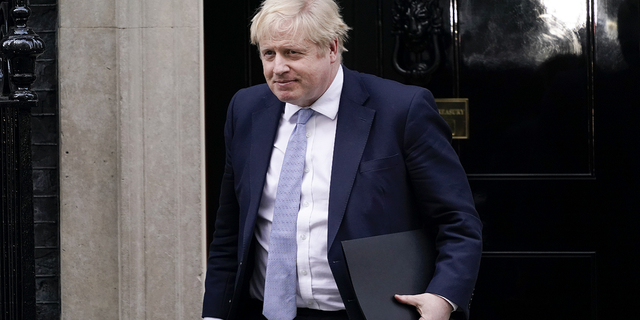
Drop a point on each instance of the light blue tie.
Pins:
(280, 283)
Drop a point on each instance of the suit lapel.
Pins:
(264, 126)
(352, 132)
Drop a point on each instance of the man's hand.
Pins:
(430, 306)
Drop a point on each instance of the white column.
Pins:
(132, 159)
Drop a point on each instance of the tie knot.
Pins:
(304, 115)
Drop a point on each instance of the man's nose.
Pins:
(280, 65)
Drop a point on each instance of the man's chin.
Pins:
(287, 98)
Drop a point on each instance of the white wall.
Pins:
(132, 159)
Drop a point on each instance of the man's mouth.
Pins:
(284, 83)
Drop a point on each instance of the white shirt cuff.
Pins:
(453, 305)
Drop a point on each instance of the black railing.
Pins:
(20, 47)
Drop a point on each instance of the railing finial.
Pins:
(20, 47)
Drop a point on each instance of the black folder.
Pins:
(382, 266)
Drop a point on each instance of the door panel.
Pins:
(559, 285)
(524, 68)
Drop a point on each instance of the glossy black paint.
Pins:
(17, 275)
(40, 148)
(20, 47)
(417, 27)
(552, 156)
(527, 75)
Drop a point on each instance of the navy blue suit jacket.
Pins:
(393, 170)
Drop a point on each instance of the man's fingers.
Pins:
(407, 299)
(430, 306)
(410, 300)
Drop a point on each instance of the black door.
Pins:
(552, 151)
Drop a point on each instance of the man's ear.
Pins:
(333, 50)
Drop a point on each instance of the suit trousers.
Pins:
(253, 311)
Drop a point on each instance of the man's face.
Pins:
(298, 71)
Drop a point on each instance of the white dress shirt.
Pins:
(316, 287)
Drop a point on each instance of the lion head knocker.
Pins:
(417, 25)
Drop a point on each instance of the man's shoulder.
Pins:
(386, 90)
(376, 84)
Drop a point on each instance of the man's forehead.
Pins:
(285, 42)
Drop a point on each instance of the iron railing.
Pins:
(19, 48)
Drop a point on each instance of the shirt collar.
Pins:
(327, 104)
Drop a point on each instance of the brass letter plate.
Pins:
(456, 113)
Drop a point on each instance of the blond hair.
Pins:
(318, 21)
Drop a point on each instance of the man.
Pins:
(368, 157)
